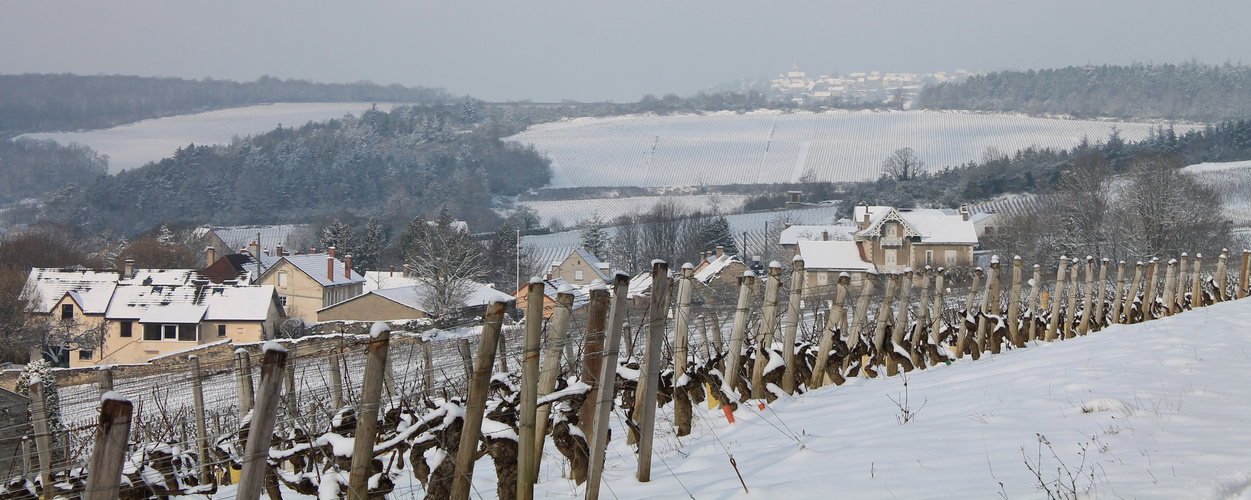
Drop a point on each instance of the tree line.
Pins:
(51, 102)
(1187, 91)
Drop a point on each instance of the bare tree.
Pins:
(1163, 211)
(903, 164)
(444, 260)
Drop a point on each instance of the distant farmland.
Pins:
(772, 147)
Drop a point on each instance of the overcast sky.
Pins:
(592, 51)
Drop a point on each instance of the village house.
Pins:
(74, 299)
(307, 283)
(580, 268)
(400, 298)
(552, 287)
(719, 269)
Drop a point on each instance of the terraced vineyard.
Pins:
(771, 147)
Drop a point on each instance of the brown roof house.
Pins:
(403, 302)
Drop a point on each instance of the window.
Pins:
(67, 311)
(282, 279)
(577, 275)
(169, 332)
(951, 258)
(151, 332)
(929, 257)
(221, 330)
(823, 278)
(891, 259)
(126, 328)
(282, 300)
(187, 333)
(84, 354)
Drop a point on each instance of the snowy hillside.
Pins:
(133, 145)
(1233, 181)
(769, 147)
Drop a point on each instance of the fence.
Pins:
(440, 400)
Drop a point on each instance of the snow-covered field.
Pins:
(570, 212)
(1233, 181)
(769, 147)
(130, 146)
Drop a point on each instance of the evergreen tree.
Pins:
(502, 258)
(717, 232)
(338, 235)
(369, 246)
(593, 238)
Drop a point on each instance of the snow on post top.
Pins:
(565, 288)
(994, 259)
(688, 265)
(907, 269)
(842, 274)
(34, 379)
(114, 396)
(775, 265)
(658, 261)
(499, 300)
(191, 357)
(1090, 257)
(797, 258)
(749, 274)
(272, 346)
(621, 273)
(1184, 255)
(536, 279)
(1016, 257)
(1062, 257)
(1199, 255)
(378, 328)
(241, 351)
(596, 286)
(1172, 262)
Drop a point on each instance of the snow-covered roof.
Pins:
(90, 289)
(936, 226)
(640, 285)
(237, 237)
(379, 280)
(833, 256)
(314, 265)
(221, 302)
(793, 234)
(601, 268)
(160, 277)
(713, 267)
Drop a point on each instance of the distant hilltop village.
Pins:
(873, 86)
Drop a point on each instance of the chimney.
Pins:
(312, 248)
(964, 212)
(210, 256)
(330, 267)
(825, 236)
(330, 251)
(129, 270)
(265, 250)
(347, 267)
(405, 269)
(392, 270)
(255, 250)
(720, 251)
(278, 250)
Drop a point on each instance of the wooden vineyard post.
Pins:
(646, 407)
(336, 380)
(1170, 279)
(201, 425)
(827, 333)
(1014, 304)
(923, 314)
(466, 359)
(528, 406)
(243, 379)
(1035, 308)
(1101, 295)
(1120, 292)
(475, 406)
(1148, 293)
(734, 358)
(1133, 293)
(791, 327)
(768, 323)
(1196, 283)
(990, 306)
(880, 343)
(592, 358)
(703, 336)
(1221, 280)
(718, 343)
(936, 314)
(900, 326)
(1242, 273)
(680, 343)
(1182, 282)
(43, 441)
(557, 337)
(859, 316)
(608, 378)
(962, 337)
(290, 403)
(501, 360)
(1070, 312)
(1055, 300)
(104, 379)
(261, 430)
(1088, 297)
(104, 472)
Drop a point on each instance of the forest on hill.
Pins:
(1188, 91)
(411, 160)
(52, 102)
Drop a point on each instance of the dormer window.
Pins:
(67, 312)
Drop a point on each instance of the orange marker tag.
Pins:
(729, 415)
(761, 406)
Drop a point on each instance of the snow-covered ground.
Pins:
(130, 146)
(571, 212)
(769, 147)
(1233, 181)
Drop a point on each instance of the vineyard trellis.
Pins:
(435, 411)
